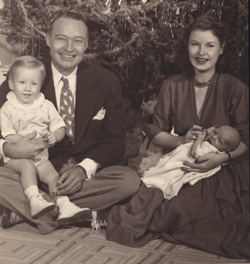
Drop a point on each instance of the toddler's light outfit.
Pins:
(168, 175)
(23, 119)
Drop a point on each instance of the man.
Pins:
(95, 136)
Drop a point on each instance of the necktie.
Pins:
(67, 108)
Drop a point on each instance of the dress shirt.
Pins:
(89, 165)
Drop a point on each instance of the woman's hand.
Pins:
(193, 133)
(205, 163)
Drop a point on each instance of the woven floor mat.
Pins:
(23, 244)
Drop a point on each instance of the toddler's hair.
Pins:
(28, 62)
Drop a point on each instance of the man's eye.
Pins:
(78, 41)
(61, 38)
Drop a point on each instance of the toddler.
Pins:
(26, 110)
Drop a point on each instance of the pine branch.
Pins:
(27, 20)
(113, 52)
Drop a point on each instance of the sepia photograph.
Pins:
(124, 132)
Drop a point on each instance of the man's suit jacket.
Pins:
(99, 140)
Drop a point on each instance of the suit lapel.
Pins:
(85, 97)
(48, 88)
(85, 102)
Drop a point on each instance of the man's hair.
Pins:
(68, 14)
(28, 62)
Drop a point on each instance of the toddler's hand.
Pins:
(55, 191)
(50, 138)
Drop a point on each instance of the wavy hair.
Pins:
(228, 62)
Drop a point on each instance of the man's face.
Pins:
(68, 41)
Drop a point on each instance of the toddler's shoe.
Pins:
(70, 214)
(39, 206)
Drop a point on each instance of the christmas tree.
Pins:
(133, 38)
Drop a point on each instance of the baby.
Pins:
(25, 111)
(168, 174)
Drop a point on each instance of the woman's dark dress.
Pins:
(213, 214)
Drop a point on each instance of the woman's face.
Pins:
(204, 49)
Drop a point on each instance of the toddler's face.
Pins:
(26, 84)
(217, 138)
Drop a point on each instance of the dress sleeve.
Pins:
(162, 118)
(239, 110)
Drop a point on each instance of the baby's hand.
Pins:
(202, 136)
(209, 130)
(55, 192)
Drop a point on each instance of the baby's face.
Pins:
(26, 84)
(217, 137)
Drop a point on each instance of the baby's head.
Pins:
(224, 138)
(25, 77)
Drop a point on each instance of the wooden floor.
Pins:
(23, 244)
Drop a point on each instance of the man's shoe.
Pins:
(9, 218)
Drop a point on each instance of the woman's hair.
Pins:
(228, 62)
(28, 62)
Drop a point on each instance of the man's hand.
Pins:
(71, 181)
(205, 163)
(26, 148)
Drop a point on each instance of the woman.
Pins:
(213, 214)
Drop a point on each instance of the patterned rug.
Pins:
(23, 244)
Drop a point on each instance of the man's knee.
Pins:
(131, 182)
(7, 174)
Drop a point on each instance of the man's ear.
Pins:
(87, 44)
(10, 82)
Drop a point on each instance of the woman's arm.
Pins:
(212, 160)
(168, 141)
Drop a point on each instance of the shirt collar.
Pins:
(57, 75)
